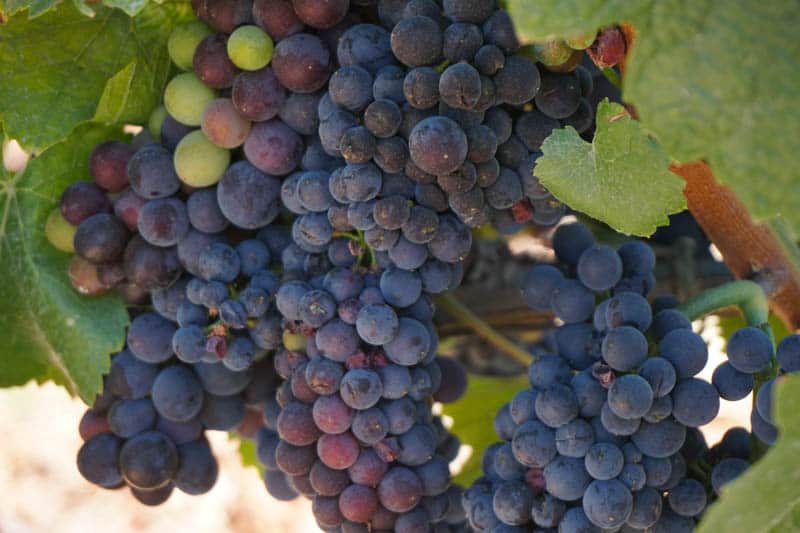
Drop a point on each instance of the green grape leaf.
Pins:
(247, 452)
(131, 7)
(764, 498)
(712, 80)
(718, 81)
(35, 8)
(51, 331)
(472, 416)
(542, 20)
(621, 178)
(38, 7)
(63, 68)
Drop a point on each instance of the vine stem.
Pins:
(762, 252)
(454, 306)
(747, 295)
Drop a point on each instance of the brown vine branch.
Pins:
(751, 250)
(453, 306)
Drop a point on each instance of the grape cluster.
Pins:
(445, 100)
(147, 429)
(353, 425)
(605, 436)
(309, 183)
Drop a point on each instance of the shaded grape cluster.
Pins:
(606, 436)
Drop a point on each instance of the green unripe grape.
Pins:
(155, 121)
(552, 53)
(294, 341)
(250, 48)
(59, 232)
(582, 41)
(186, 97)
(199, 162)
(183, 40)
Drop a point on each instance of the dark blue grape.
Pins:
(149, 460)
(370, 426)
(749, 350)
(556, 405)
(127, 418)
(98, 460)
(534, 444)
(247, 196)
(731, 384)
(506, 465)
(624, 348)
(219, 262)
(539, 284)
(416, 41)
(512, 502)
(299, 112)
(726, 471)
(686, 351)
(628, 309)
(518, 81)
(638, 258)
(411, 345)
(616, 425)
(765, 431)
(788, 353)
(177, 394)
(604, 461)
(657, 469)
(198, 469)
(575, 438)
(607, 504)
(151, 172)
(361, 388)
(130, 377)
(630, 396)
(570, 241)
(661, 439)
(600, 268)
(695, 402)
(219, 380)
(589, 392)
(365, 45)
(688, 498)
(566, 478)
(572, 302)
(547, 369)
(647, 505)
(150, 338)
(667, 320)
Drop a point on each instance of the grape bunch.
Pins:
(308, 185)
(445, 99)
(353, 425)
(606, 436)
(147, 430)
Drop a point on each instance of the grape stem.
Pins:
(747, 295)
(458, 310)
